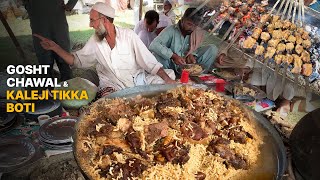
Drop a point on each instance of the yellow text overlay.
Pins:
(35, 95)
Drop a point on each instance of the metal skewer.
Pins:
(294, 11)
(255, 56)
(308, 94)
(275, 5)
(285, 9)
(281, 5)
(211, 18)
(264, 67)
(199, 7)
(225, 50)
(271, 86)
(290, 9)
(219, 24)
(302, 6)
(279, 90)
(228, 31)
(299, 14)
(296, 80)
(284, 75)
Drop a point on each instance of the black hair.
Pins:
(151, 16)
(167, 2)
(110, 19)
(193, 14)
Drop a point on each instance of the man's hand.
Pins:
(178, 60)
(220, 58)
(191, 59)
(165, 76)
(64, 6)
(47, 44)
(170, 81)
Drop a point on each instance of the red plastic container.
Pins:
(220, 84)
(184, 76)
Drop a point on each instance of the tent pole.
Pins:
(13, 38)
(140, 9)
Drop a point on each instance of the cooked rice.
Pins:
(200, 159)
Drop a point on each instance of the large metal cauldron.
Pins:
(151, 90)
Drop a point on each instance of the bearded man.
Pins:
(168, 10)
(181, 43)
(120, 57)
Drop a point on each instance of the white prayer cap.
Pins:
(104, 9)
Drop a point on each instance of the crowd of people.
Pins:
(151, 54)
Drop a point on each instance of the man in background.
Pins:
(181, 43)
(48, 18)
(151, 26)
(168, 10)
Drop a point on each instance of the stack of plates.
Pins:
(7, 120)
(15, 152)
(49, 107)
(57, 133)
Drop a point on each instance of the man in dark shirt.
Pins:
(48, 18)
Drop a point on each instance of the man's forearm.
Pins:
(68, 57)
(163, 75)
(158, 48)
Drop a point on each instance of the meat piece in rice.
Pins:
(176, 153)
(155, 131)
(193, 131)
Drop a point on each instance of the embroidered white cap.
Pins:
(104, 9)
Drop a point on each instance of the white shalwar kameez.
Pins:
(128, 64)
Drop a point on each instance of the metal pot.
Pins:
(305, 146)
(151, 90)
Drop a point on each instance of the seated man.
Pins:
(120, 57)
(151, 26)
(179, 44)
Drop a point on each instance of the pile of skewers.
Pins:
(240, 14)
(284, 42)
(276, 35)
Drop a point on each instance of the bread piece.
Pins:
(299, 49)
(259, 50)
(307, 69)
(289, 46)
(281, 47)
(270, 52)
(306, 43)
(305, 56)
(278, 58)
(256, 33)
(249, 43)
(273, 42)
